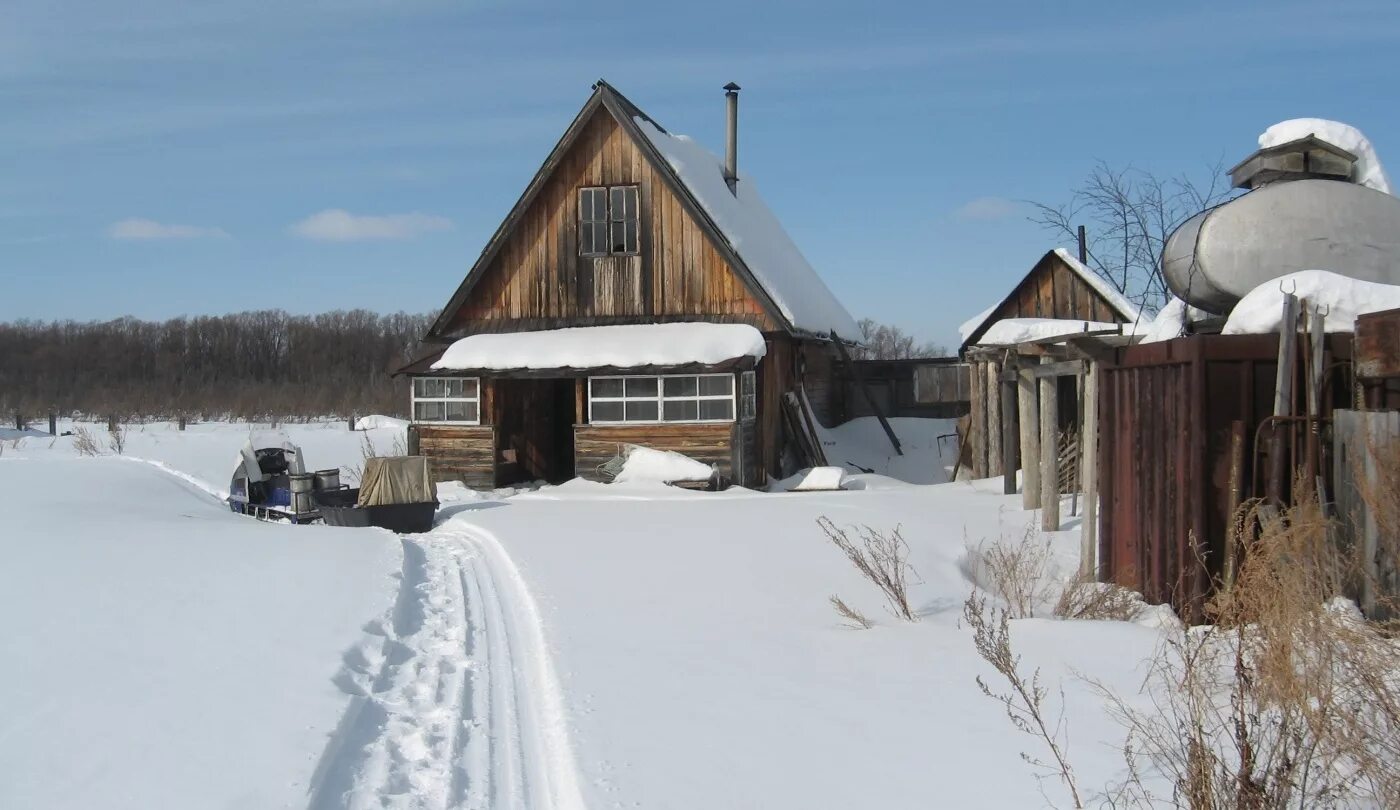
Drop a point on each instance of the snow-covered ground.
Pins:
(581, 645)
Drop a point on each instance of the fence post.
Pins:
(1030, 438)
(112, 423)
(352, 420)
(1089, 464)
(181, 422)
(53, 424)
(993, 421)
(19, 421)
(1049, 452)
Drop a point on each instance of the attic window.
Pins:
(607, 221)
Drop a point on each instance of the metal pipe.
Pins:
(731, 140)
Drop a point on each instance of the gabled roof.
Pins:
(740, 226)
(972, 331)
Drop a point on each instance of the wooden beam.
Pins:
(865, 392)
(994, 419)
(1049, 455)
(1030, 439)
(1089, 466)
(1008, 437)
(1276, 483)
(977, 425)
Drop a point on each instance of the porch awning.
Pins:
(621, 346)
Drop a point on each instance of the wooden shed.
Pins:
(626, 226)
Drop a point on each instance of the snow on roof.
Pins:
(1130, 311)
(1342, 299)
(1020, 330)
(621, 346)
(969, 326)
(755, 234)
(1368, 170)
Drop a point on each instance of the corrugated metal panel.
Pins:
(1167, 411)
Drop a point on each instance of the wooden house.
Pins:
(639, 292)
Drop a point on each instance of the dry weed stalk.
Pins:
(1025, 702)
(84, 442)
(854, 618)
(1086, 599)
(1019, 571)
(116, 439)
(881, 558)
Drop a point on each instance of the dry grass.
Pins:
(881, 558)
(85, 442)
(854, 618)
(1021, 571)
(1088, 600)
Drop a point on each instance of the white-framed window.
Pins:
(447, 400)
(608, 221)
(748, 396)
(664, 398)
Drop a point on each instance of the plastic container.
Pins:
(338, 509)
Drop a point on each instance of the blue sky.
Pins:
(166, 157)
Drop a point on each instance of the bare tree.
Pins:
(884, 342)
(1128, 214)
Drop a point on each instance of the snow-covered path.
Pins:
(456, 704)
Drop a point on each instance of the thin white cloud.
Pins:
(986, 209)
(337, 225)
(136, 228)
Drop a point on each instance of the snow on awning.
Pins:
(622, 346)
(1022, 330)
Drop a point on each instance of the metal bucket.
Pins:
(301, 482)
(303, 502)
(327, 479)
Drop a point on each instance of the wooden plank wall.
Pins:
(775, 378)
(1052, 290)
(465, 453)
(538, 280)
(707, 443)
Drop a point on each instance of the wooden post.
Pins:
(977, 425)
(1049, 453)
(1030, 439)
(1277, 483)
(1089, 475)
(53, 423)
(19, 421)
(181, 423)
(1083, 246)
(994, 419)
(112, 423)
(1235, 497)
(1009, 413)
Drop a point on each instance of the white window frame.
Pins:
(612, 219)
(661, 399)
(414, 399)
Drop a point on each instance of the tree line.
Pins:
(265, 364)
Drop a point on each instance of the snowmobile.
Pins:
(270, 481)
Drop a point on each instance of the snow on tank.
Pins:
(1320, 199)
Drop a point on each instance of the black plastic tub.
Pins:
(338, 509)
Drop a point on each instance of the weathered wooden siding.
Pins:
(707, 443)
(819, 380)
(538, 280)
(1052, 290)
(465, 453)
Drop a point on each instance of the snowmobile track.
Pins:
(454, 702)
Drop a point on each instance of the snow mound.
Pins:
(1342, 298)
(1171, 321)
(1368, 170)
(1020, 330)
(375, 421)
(623, 346)
(816, 479)
(645, 464)
(756, 235)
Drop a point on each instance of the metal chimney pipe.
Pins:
(731, 141)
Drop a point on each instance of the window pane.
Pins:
(432, 388)
(453, 388)
(641, 386)
(600, 237)
(585, 204)
(680, 386)
(460, 411)
(631, 201)
(681, 410)
(428, 411)
(641, 411)
(716, 385)
(617, 204)
(607, 412)
(629, 237)
(619, 238)
(469, 388)
(606, 387)
(716, 409)
(418, 387)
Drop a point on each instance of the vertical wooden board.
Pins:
(1049, 454)
(1029, 407)
(977, 426)
(992, 395)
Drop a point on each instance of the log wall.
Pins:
(707, 443)
(465, 453)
